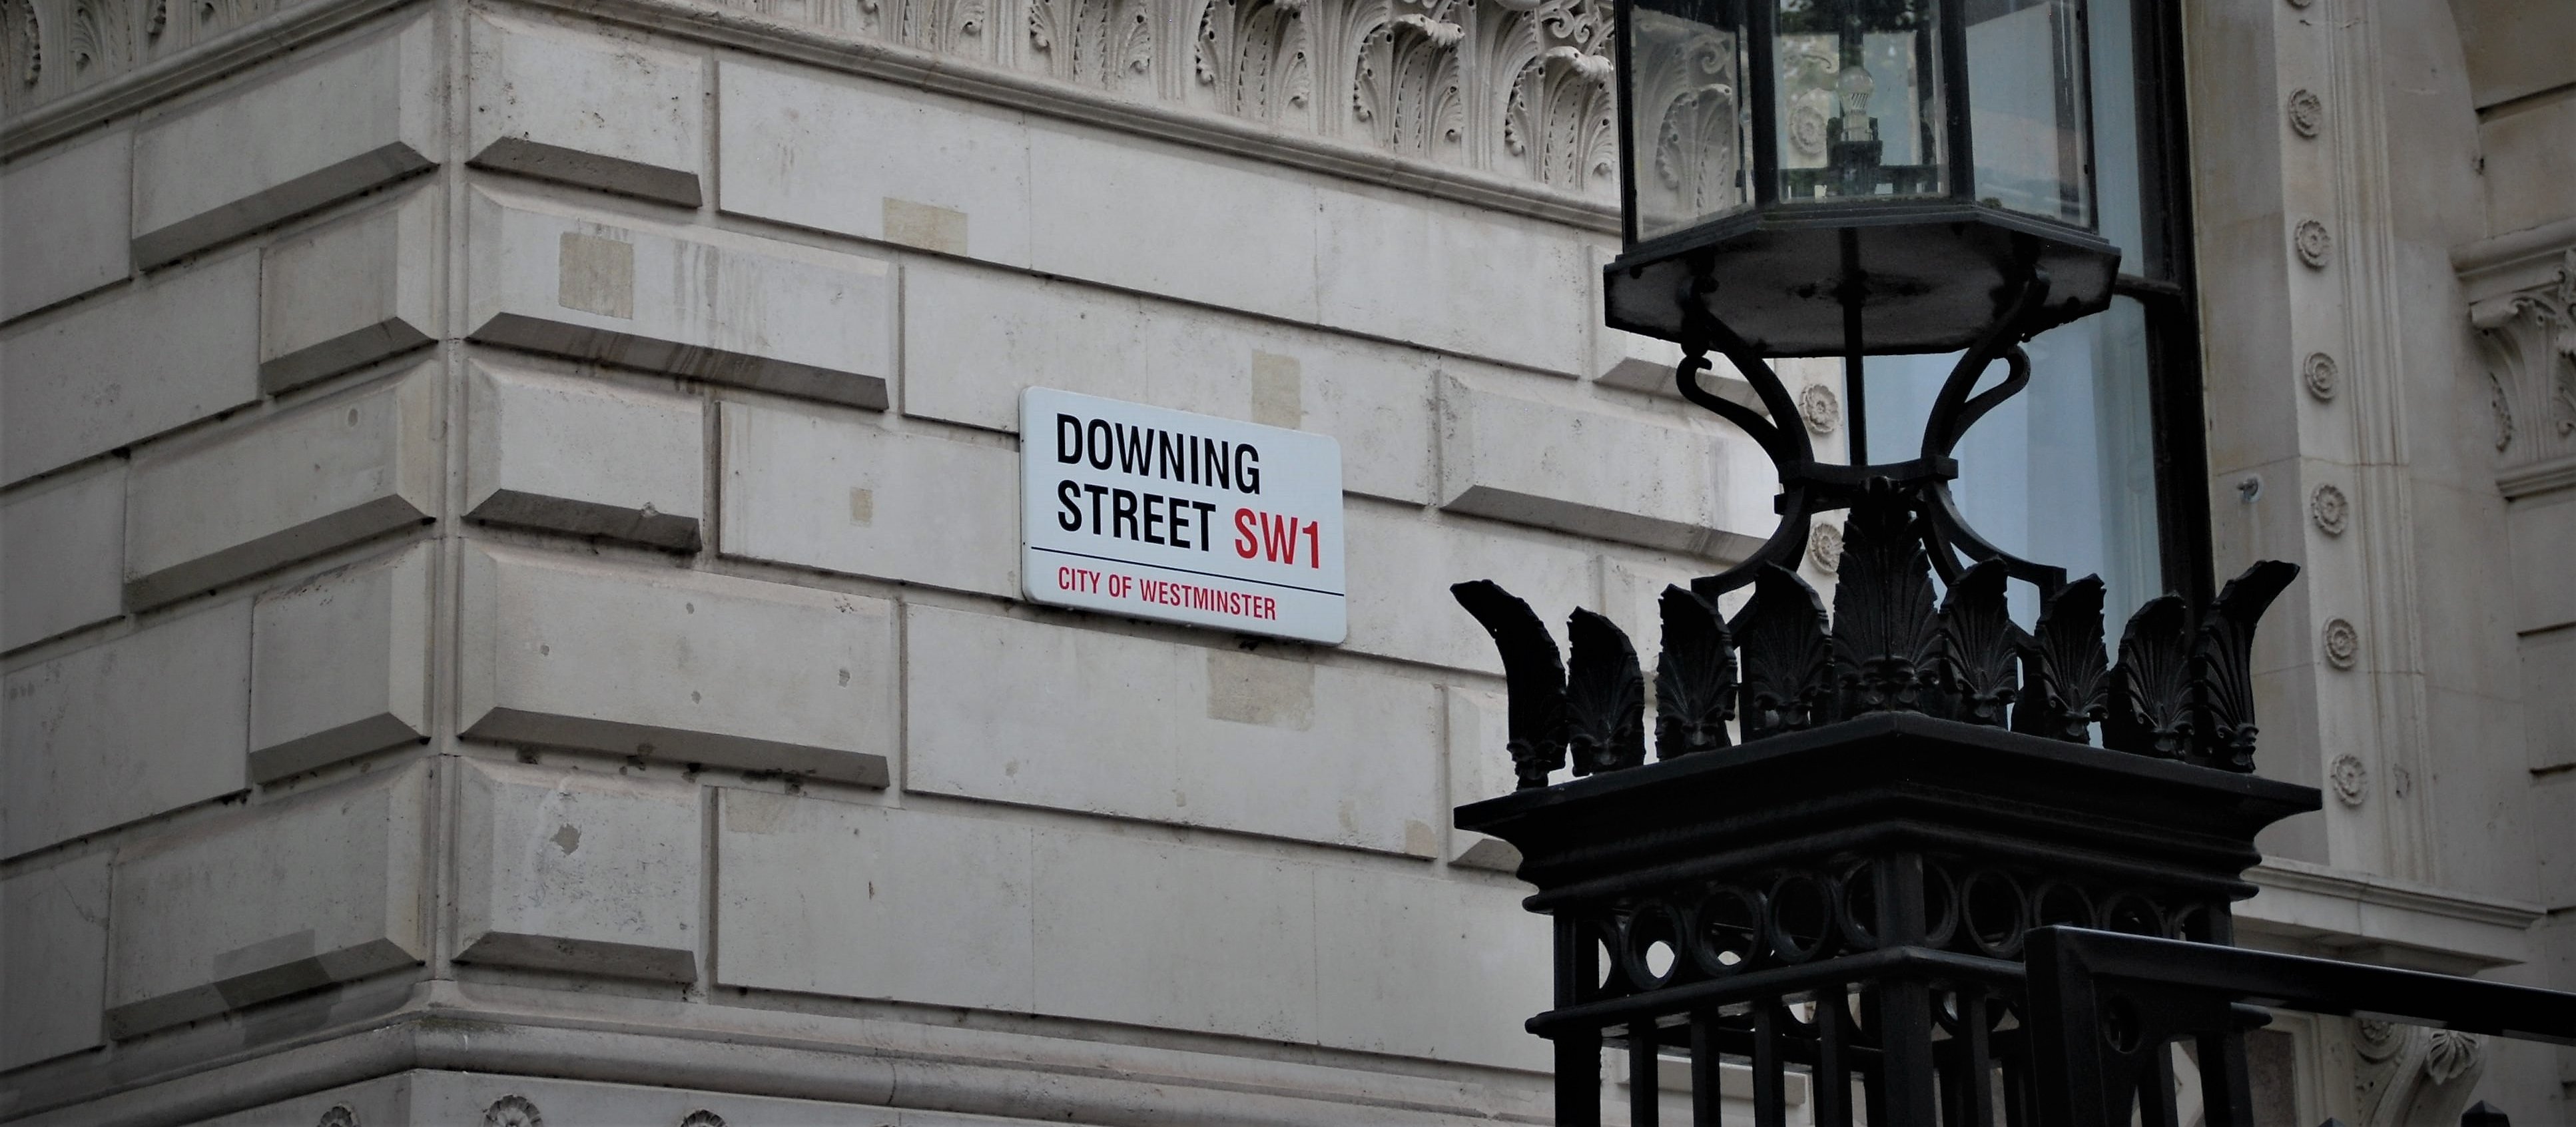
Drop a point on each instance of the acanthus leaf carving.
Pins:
(1407, 85)
(1558, 116)
(1100, 43)
(1259, 57)
(2527, 340)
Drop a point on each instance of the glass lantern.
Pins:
(1855, 176)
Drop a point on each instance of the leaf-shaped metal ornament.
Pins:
(1533, 674)
(1605, 697)
(2151, 708)
(1980, 646)
(1883, 627)
(1780, 638)
(2065, 674)
(2222, 665)
(1694, 677)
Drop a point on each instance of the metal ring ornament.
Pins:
(2007, 943)
(2043, 912)
(1637, 938)
(1700, 941)
(2133, 913)
(1859, 880)
(1939, 928)
(1786, 947)
(2190, 923)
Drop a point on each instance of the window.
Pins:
(2097, 466)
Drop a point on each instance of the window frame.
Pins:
(2170, 304)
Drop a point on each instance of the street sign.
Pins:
(1163, 514)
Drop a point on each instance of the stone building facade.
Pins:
(512, 608)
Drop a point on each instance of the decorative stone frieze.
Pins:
(2315, 244)
(1825, 548)
(2319, 373)
(513, 1111)
(1820, 407)
(2342, 643)
(2351, 779)
(1520, 89)
(2306, 113)
(2329, 509)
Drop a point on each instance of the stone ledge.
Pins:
(873, 1062)
(2385, 920)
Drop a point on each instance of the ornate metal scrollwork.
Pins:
(1781, 633)
(1533, 674)
(1694, 677)
(1605, 697)
(2181, 689)
(2065, 674)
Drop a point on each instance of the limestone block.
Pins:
(1157, 933)
(1636, 363)
(578, 871)
(2528, 163)
(324, 131)
(678, 666)
(67, 225)
(234, 504)
(1143, 216)
(1480, 767)
(1401, 565)
(585, 457)
(350, 293)
(339, 665)
(2515, 48)
(812, 152)
(843, 495)
(53, 960)
(601, 113)
(1597, 473)
(827, 897)
(1137, 728)
(1394, 265)
(974, 337)
(2548, 668)
(62, 552)
(81, 757)
(1417, 966)
(2542, 531)
(274, 900)
(705, 304)
(180, 347)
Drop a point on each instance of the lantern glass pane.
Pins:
(1689, 129)
(1858, 94)
(2026, 106)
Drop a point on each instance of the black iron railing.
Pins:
(2105, 1008)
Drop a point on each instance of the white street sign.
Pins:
(1164, 514)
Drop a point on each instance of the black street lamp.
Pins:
(1877, 850)
(1842, 176)
(1855, 178)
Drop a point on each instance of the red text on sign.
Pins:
(1274, 537)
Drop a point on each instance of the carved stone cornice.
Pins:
(1502, 104)
(2522, 303)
